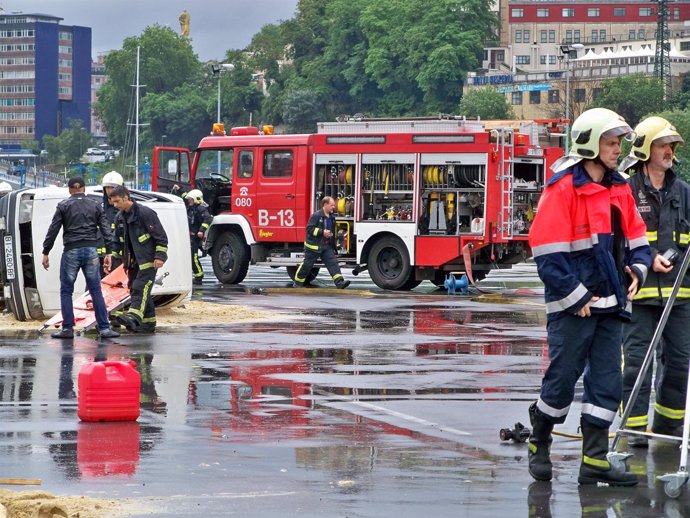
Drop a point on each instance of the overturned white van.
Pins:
(32, 293)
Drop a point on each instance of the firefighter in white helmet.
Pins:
(5, 188)
(199, 219)
(592, 253)
(663, 200)
(110, 180)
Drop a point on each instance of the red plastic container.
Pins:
(108, 391)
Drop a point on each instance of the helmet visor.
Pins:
(624, 130)
(668, 139)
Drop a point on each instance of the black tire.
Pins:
(389, 265)
(230, 258)
(292, 270)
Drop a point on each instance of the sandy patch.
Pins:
(194, 312)
(39, 504)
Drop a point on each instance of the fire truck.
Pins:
(416, 198)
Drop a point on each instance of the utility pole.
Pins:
(662, 59)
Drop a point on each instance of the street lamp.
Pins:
(568, 50)
(217, 69)
(163, 137)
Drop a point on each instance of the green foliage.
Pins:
(32, 145)
(681, 120)
(74, 142)
(167, 61)
(632, 97)
(302, 110)
(485, 103)
(52, 145)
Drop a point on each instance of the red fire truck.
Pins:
(416, 199)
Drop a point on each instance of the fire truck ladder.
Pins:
(505, 138)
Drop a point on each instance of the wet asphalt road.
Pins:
(347, 403)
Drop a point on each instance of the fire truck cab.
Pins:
(416, 199)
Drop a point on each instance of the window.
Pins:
(576, 36)
(518, 13)
(500, 56)
(619, 11)
(548, 59)
(676, 13)
(525, 36)
(552, 36)
(554, 96)
(596, 92)
(542, 13)
(544, 36)
(641, 34)
(595, 36)
(593, 12)
(579, 95)
(685, 45)
(631, 34)
(645, 11)
(602, 35)
(246, 169)
(518, 36)
(522, 60)
(568, 12)
(568, 36)
(278, 163)
(516, 98)
(535, 97)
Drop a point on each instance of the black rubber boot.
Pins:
(666, 426)
(595, 468)
(341, 283)
(539, 445)
(638, 441)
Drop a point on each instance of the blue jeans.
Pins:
(86, 260)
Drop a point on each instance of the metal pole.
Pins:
(567, 101)
(218, 115)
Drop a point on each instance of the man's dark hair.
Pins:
(325, 200)
(120, 191)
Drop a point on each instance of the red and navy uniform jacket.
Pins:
(582, 237)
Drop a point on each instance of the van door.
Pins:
(171, 166)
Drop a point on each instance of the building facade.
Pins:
(45, 77)
(538, 62)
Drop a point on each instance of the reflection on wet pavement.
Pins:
(390, 408)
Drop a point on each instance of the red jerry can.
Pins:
(108, 391)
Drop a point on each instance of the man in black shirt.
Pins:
(81, 218)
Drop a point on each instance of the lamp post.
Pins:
(217, 70)
(163, 137)
(567, 50)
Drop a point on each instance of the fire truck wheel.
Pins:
(230, 258)
(389, 264)
(292, 270)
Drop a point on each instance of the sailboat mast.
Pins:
(136, 128)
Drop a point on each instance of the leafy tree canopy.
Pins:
(485, 103)
(632, 97)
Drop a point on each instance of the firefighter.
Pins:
(199, 219)
(110, 180)
(663, 200)
(592, 254)
(143, 245)
(320, 244)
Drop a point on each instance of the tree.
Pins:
(485, 103)
(167, 61)
(681, 120)
(302, 110)
(52, 145)
(74, 142)
(632, 97)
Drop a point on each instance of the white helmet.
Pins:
(5, 188)
(112, 179)
(196, 195)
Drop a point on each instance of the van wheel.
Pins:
(292, 270)
(389, 265)
(230, 258)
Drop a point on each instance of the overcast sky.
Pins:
(216, 25)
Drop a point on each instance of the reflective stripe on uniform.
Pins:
(143, 238)
(599, 412)
(311, 247)
(669, 412)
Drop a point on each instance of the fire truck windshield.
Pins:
(217, 162)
